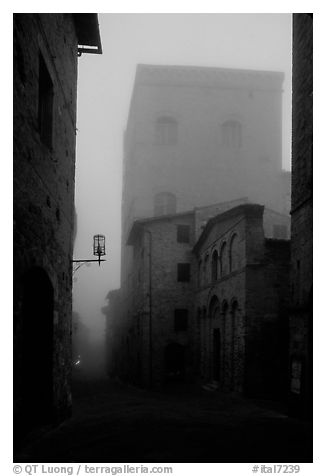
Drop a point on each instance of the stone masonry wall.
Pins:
(301, 319)
(246, 305)
(44, 181)
(159, 302)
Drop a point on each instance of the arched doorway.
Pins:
(225, 351)
(234, 344)
(217, 355)
(215, 340)
(174, 361)
(37, 365)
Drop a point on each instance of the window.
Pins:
(183, 233)
(205, 270)
(234, 253)
(180, 320)
(165, 203)
(214, 266)
(183, 272)
(199, 273)
(232, 134)
(223, 259)
(280, 232)
(45, 104)
(166, 131)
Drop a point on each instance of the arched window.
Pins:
(205, 270)
(166, 131)
(214, 308)
(234, 253)
(232, 134)
(223, 259)
(234, 344)
(224, 308)
(165, 203)
(214, 265)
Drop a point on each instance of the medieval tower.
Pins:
(197, 136)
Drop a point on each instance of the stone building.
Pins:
(46, 50)
(197, 136)
(301, 322)
(158, 340)
(242, 298)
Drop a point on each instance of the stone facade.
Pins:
(241, 301)
(170, 331)
(302, 218)
(199, 139)
(45, 89)
(162, 290)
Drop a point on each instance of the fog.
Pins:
(248, 41)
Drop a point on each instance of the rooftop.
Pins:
(209, 76)
(247, 209)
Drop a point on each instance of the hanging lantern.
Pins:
(99, 246)
(98, 250)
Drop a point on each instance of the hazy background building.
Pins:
(195, 136)
(198, 136)
(227, 41)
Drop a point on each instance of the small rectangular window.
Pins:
(45, 104)
(183, 233)
(184, 272)
(180, 320)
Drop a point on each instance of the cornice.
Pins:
(209, 77)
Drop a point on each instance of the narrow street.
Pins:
(116, 423)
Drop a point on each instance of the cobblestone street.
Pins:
(115, 423)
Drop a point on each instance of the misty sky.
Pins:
(249, 41)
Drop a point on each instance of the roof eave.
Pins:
(88, 33)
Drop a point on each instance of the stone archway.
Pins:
(215, 339)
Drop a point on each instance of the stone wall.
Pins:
(300, 385)
(244, 307)
(44, 187)
(162, 294)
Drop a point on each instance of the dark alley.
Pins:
(113, 423)
(163, 239)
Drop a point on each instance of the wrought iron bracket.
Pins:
(77, 263)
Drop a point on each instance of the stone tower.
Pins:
(197, 136)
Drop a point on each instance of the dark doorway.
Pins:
(217, 355)
(37, 349)
(175, 362)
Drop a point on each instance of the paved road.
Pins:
(114, 423)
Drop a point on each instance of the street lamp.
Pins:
(99, 247)
(98, 250)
